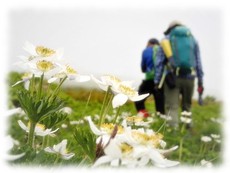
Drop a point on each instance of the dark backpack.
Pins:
(183, 45)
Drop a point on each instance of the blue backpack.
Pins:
(183, 45)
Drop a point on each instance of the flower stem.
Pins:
(31, 134)
(182, 128)
(117, 113)
(56, 160)
(90, 94)
(57, 89)
(103, 106)
(31, 88)
(181, 148)
(40, 86)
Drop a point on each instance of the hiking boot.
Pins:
(143, 113)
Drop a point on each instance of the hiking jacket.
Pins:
(160, 64)
(147, 63)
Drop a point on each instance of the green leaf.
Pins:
(87, 141)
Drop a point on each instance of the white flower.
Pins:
(132, 156)
(25, 79)
(186, 113)
(186, 120)
(104, 131)
(70, 73)
(64, 126)
(14, 111)
(66, 110)
(45, 67)
(124, 92)
(215, 136)
(10, 142)
(42, 52)
(206, 163)
(206, 139)
(41, 59)
(39, 129)
(76, 122)
(60, 149)
(106, 81)
(166, 117)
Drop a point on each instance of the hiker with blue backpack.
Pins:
(149, 56)
(183, 64)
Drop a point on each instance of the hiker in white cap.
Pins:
(183, 64)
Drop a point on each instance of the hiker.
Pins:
(149, 55)
(183, 65)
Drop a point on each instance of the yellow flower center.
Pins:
(43, 51)
(38, 126)
(114, 78)
(109, 127)
(126, 148)
(134, 119)
(127, 90)
(45, 65)
(145, 139)
(70, 70)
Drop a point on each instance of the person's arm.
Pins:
(143, 63)
(199, 69)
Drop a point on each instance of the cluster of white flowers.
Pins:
(47, 62)
(186, 117)
(124, 146)
(121, 145)
(212, 137)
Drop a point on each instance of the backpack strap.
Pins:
(155, 50)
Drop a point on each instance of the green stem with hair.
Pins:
(31, 134)
(40, 86)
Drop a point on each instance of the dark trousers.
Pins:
(147, 86)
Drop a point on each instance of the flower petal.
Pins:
(94, 129)
(160, 161)
(51, 80)
(102, 160)
(67, 156)
(23, 126)
(119, 100)
(101, 85)
(49, 150)
(14, 157)
(13, 111)
(139, 97)
(82, 78)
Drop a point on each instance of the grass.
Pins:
(88, 102)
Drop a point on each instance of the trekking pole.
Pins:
(162, 80)
(200, 100)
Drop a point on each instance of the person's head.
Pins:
(152, 42)
(172, 25)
